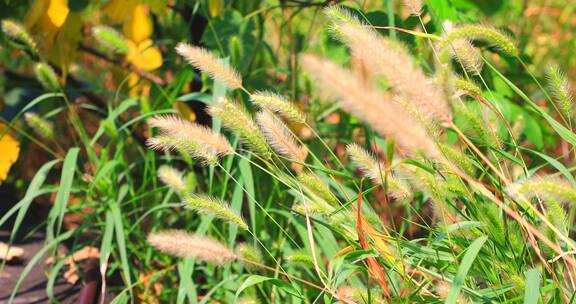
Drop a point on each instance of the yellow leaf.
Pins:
(119, 11)
(37, 10)
(144, 55)
(10, 148)
(158, 7)
(215, 7)
(185, 111)
(138, 87)
(57, 12)
(139, 28)
(65, 47)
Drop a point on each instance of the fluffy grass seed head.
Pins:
(278, 104)
(238, 120)
(280, 137)
(561, 91)
(205, 204)
(414, 6)
(318, 187)
(314, 207)
(389, 58)
(458, 158)
(386, 117)
(375, 170)
(188, 245)
(301, 258)
(487, 34)
(205, 61)
(42, 127)
(47, 77)
(110, 39)
(198, 141)
(468, 86)
(546, 188)
(248, 252)
(465, 53)
(172, 178)
(18, 33)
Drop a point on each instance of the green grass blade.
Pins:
(56, 215)
(469, 257)
(532, 286)
(33, 191)
(121, 241)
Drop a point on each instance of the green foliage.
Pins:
(488, 220)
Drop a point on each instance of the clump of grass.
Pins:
(464, 52)
(467, 85)
(375, 170)
(414, 6)
(318, 187)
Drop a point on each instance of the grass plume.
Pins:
(188, 245)
(18, 33)
(386, 57)
(42, 127)
(561, 91)
(487, 34)
(199, 141)
(172, 178)
(238, 120)
(546, 188)
(375, 108)
(280, 137)
(205, 61)
(278, 104)
(375, 170)
(220, 209)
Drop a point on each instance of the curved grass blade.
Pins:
(469, 257)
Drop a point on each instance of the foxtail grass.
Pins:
(238, 120)
(172, 178)
(198, 141)
(189, 245)
(280, 137)
(279, 104)
(41, 126)
(375, 108)
(386, 57)
(206, 62)
(205, 204)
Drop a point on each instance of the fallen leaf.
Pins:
(9, 253)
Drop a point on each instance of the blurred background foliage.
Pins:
(104, 94)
